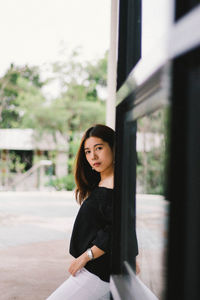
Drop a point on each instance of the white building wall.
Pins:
(112, 65)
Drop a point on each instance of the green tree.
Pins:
(19, 89)
(78, 105)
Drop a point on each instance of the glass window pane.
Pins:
(151, 199)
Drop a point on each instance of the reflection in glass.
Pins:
(151, 199)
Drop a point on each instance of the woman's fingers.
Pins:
(137, 268)
(73, 273)
(71, 268)
(74, 267)
(78, 263)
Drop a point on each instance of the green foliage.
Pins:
(77, 107)
(81, 81)
(151, 176)
(72, 115)
(15, 163)
(154, 123)
(20, 93)
(153, 165)
(97, 73)
(63, 183)
(74, 145)
(73, 148)
(22, 104)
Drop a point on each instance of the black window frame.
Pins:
(157, 90)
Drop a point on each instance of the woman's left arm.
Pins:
(79, 262)
(101, 242)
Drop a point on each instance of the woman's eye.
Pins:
(87, 152)
(98, 148)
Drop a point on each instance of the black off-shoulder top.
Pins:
(93, 226)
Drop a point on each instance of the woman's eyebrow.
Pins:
(94, 146)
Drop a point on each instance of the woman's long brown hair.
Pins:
(86, 178)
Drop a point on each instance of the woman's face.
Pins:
(98, 154)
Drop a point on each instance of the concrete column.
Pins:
(61, 164)
(4, 161)
(112, 65)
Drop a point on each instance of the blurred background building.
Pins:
(28, 161)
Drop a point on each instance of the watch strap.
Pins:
(90, 253)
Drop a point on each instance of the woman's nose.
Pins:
(94, 155)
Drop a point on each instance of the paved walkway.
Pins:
(33, 271)
(35, 230)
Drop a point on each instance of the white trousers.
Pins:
(83, 286)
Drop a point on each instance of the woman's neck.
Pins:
(107, 179)
(107, 173)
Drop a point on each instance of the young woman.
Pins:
(91, 236)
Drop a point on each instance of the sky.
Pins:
(35, 31)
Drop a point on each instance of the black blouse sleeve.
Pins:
(103, 236)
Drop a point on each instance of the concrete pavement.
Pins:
(33, 271)
(34, 240)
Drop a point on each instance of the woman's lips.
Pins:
(96, 164)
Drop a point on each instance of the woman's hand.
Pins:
(78, 263)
